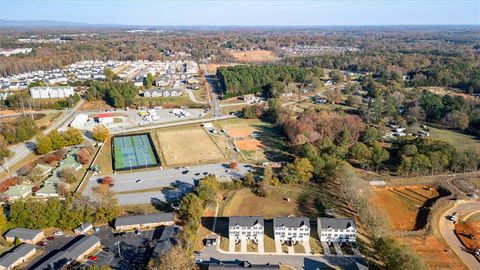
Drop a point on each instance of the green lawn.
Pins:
(459, 140)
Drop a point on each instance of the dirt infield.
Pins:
(433, 252)
(254, 56)
(404, 206)
(469, 234)
(190, 145)
(249, 145)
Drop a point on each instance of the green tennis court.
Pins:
(133, 152)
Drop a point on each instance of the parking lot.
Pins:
(47, 251)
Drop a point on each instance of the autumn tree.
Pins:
(44, 145)
(68, 175)
(233, 165)
(83, 156)
(176, 258)
(300, 171)
(107, 180)
(100, 133)
(360, 153)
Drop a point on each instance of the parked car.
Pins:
(185, 172)
(51, 238)
(121, 234)
(58, 233)
(198, 260)
(42, 244)
(138, 181)
(96, 229)
(92, 258)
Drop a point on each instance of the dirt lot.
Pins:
(211, 68)
(187, 145)
(254, 56)
(433, 252)
(95, 105)
(447, 91)
(403, 206)
(249, 145)
(469, 234)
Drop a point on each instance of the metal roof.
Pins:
(245, 221)
(144, 219)
(336, 223)
(18, 253)
(291, 222)
(82, 245)
(23, 233)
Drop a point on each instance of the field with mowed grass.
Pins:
(188, 145)
(459, 140)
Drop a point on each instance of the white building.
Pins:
(79, 121)
(249, 228)
(336, 230)
(291, 229)
(52, 92)
(104, 118)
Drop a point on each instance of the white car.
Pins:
(58, 233)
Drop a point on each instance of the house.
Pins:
(83, 228)
(16, 257)
(44, 169)
(18, 192)
(144, 221)
(138, 81)
(77, 249)
(250, 98)
(239, 265)
(24, 235)
(336, 230)
(291, 229)
(104, 118)
(51, 92)
(249, 228)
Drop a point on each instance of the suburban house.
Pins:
(250, 98)
(16, 257)
(336, 230)
(144, 221)
(238, 265)
(51, 92)
(24, 235)
(291, 229)
(249, 228)
(83, 228)
(18, 192)
(78, 249)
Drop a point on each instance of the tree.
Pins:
(191, 208)
(149, 80)
(267, 174)
(249, 112)
(68, 175)
(379, 155)
(360, 153)
(248, 180)
(397, 256)
(100, 133)
(456, 120)
(58, 141)
(300, 171)
(83, 156)
(233, 165)
(3, 221)
(175, 258)
(107, 180)
(35, 174)
(369, 135)
(73, 136)
(109, 74)
(44, 145)
(336, 76)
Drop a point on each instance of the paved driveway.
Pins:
(125, 184)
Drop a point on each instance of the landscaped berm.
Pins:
(133, 152)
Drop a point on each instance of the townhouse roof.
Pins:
(82, 245)
(21, 251)
(336, 223)
(23, 233)
(291, 222)
(144, 219)
(245, 221)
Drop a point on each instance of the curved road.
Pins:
(448, 233)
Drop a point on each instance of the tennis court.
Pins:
(133, 152)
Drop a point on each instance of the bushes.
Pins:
(397, 256)
(83, 156)
(23, 129)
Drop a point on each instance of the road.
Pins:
(215, 86)
(211, 254)
(448, 233)
(151, 184)
(22, 150)
(193, 98)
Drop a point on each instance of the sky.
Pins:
(245, 12)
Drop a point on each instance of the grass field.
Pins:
(459, 140)
(403, 205)
(254, 56)
(188, 145)
(133, 151)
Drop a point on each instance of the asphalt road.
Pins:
(214, 102)
(149, 183)
(22, 150)
(447, 230)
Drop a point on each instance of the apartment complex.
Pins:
(51, 92)
(249, 228)
(336, 230)
(291, 229)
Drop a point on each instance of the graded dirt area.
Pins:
(469, 234)
(403, 206)
(211, 68)
(95, 105)
(254, 56)
(433, 253)
(249, 145)
(187, 145)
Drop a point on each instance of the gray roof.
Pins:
(291, 222)
(245, 221)
(336, 223)
(22, 233)
(64, 257)
(242, 265)
(144, 219)
(82, 245)
(166, 241)
(19, 252)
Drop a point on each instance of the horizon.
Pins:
(247, 13)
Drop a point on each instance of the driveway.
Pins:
(447, 230)
(151, 185)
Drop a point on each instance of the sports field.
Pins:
(188, 145)
(133, 152)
